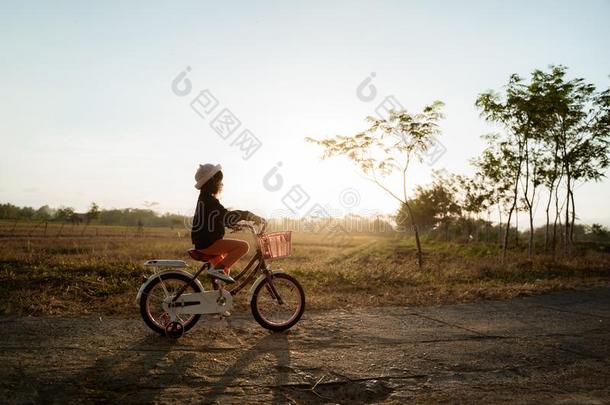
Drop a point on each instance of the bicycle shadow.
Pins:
(276, 344)
(120, 376)
(138, 372)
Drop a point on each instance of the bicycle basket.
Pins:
(276, 244)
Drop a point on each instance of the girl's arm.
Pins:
(233, 217)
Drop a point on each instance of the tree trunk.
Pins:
(532, 242)
(488, 226)
(506, 232)
(416, 231)
(500, 222)
(529, 204)
(517, 227)
(557, 219)
(530, 212)
(530, 245)
(573, 217)
(567, 247)
(514, 204)
(510, 213)
(548, 219)
(420, 261)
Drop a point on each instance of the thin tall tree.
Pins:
(387, 148)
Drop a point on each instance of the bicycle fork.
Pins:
(271, 288)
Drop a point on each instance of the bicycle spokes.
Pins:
(279, 302)
(273, 293)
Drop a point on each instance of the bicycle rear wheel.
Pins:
(267, 310)
(151, 301)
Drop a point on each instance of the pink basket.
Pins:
(276, 244)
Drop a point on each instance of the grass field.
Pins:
(99, 270)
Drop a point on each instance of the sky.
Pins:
(94, 107)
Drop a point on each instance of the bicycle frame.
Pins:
(256, 264)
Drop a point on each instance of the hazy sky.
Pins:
(88, 112)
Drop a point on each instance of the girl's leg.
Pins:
(233, 249)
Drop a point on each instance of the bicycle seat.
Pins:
(202, 257)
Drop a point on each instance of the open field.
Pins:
(76, 274)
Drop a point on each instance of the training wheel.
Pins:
(174, 330)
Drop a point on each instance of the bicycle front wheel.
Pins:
(266, 306)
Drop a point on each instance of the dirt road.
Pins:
(546, 348)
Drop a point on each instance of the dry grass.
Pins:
(101, 274)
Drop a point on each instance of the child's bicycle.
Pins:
(172, 300)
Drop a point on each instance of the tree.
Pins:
(387, 148)
(577, 134)
(9, 211)
(93, 213)
(43, 213)
(490, 181)
(584, 142)
(521, 111)
(502, 162)
(477, 194)
(598, 232)
(435, 205)
(557, 133)
(421, 206)
(64, 213)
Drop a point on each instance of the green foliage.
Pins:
(124, 217)
(93, 213)
(10, 211)
(435, 205)
(64, 213)
(388, 145)
(557, 132)
(44, 213)
(136, 216)
(598, 233)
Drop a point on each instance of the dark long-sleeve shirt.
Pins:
(211, 218)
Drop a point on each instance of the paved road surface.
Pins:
(551, 348)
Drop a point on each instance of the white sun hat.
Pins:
(205, 173)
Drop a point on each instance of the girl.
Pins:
(210, 220)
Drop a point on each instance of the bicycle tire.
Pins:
(145, 307)
(255, 303)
